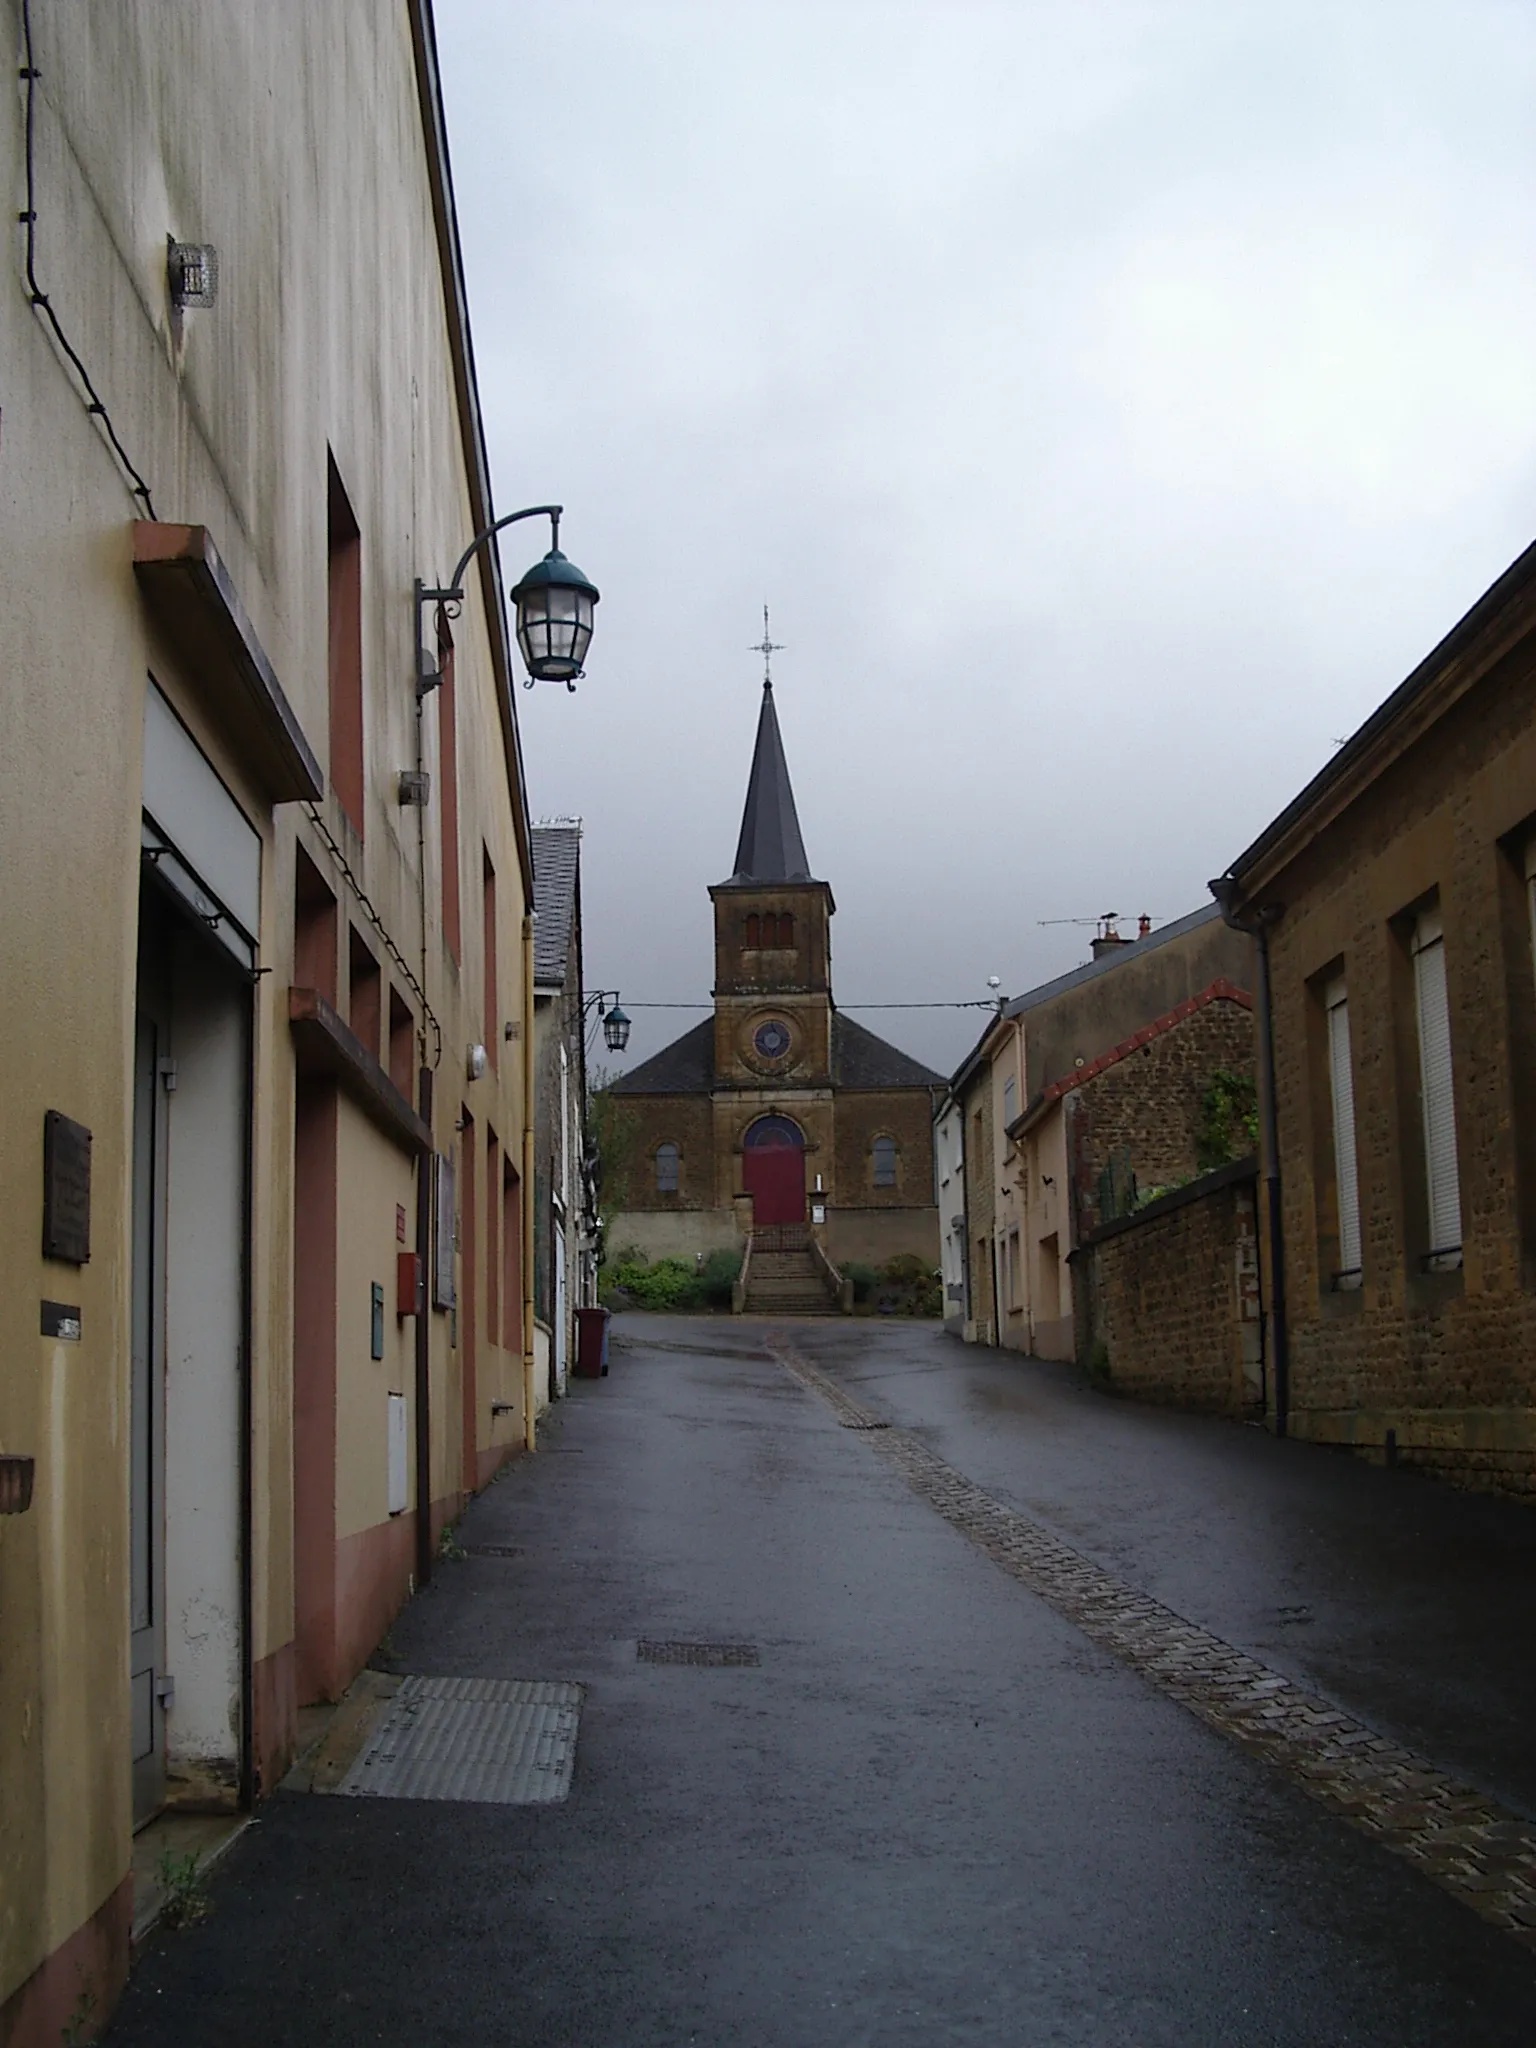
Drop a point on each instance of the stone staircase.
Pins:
(784, 1276)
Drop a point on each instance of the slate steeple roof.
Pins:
(770, 848)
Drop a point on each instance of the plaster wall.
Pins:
(290, 136)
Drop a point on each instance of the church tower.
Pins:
(773, 945)
(778, 1112)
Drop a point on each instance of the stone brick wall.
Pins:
(651, 1120)
(1149, 1107)
(1172, 1297)
(904, 1114)
(1445, 1362)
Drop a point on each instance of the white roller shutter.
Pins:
(1444, 1187)
(1345, 1169)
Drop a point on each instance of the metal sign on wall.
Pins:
(66, 1189)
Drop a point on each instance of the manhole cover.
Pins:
(509, 1742)
(716, 1654)
(491, 1550)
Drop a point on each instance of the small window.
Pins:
(1010, 1099)
(754, 930)
(786, 931)
(666, 1169)
(884, 1153)
(1435, 1079)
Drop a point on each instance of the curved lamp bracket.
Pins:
(449, 600)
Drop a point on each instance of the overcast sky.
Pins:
(1112, 403)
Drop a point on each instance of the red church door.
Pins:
(773, 1171)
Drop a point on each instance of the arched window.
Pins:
(754, 930)
(666, 1169)
(786, 930)
(883, 1152)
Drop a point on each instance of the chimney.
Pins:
(1143, 926)
(1107, 938)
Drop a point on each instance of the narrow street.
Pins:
(938, 1808)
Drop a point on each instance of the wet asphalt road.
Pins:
(936, 1813)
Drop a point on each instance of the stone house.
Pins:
(1086, 1095)
(779, 1105)
(257, 1188)
(1394, 900)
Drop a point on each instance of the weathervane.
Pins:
(767, 648)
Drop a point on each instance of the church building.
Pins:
(778, 1108)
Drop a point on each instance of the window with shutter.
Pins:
(1345, 1168)
(1444, 1187)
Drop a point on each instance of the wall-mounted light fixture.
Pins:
(554, 604)
(476, 1061)
(615, 1023)
(191, 272)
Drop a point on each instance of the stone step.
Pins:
(788, 1283)
(796, 1305)
(785, 1262)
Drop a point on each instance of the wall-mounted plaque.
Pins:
(66, 1189)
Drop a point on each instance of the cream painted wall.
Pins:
(290, 136)
(374, 1175)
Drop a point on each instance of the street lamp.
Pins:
(615, 1023)
(554, 604)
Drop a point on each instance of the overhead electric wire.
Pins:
(40, 298)
(974, 1003)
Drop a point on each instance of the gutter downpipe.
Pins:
(1257, 926)
(425, 1169)
(530, 1425)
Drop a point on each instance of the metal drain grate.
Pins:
(509, 1742)
(716, 1654)
(847, 1423)
(492, 1550)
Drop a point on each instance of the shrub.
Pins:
(865, 1279)
(666, 1284)
(906, 1269)
(718, 1275)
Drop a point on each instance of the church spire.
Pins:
(770, 848)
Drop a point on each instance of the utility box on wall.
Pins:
(399, 1456)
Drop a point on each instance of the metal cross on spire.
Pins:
(767, 648)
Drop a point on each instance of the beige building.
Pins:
(269, 1011)
(1396, 900)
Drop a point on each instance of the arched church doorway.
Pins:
(773, 1170)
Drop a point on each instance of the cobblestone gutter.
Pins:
(1472, 1847)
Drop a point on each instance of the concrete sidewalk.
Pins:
(932, 1812)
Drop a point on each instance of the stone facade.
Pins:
(1172, 1296)
(1081, 1091)
(1432, 804)
(1148, 1110)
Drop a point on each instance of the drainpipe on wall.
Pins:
(1257, 927)
(530, 1433)
(425, 1168)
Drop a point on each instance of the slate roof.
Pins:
(685, 1067)
(556, 876)
(770, 848)
(859, 1060)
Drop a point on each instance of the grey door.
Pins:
(151, 1070)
